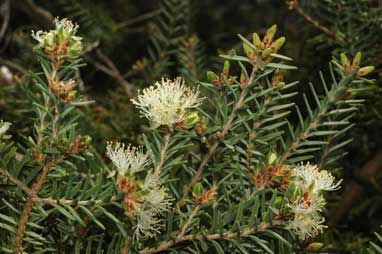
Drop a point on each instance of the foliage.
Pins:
(240, 164)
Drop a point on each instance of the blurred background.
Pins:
(130, 44)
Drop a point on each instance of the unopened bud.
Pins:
(365, 70)
(248, 51)
(314, 246)
(269, 34)
(257, 41)
(357, 59)
(272, 157)
(277, 44)
(192, 119)
(226, 68)
(211, 76)
(266, 52)
(344, 60)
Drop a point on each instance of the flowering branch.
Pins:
(224, 132)
(224, 236)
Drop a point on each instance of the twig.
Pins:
(166, 141)
(52, 201)
(112, 70)
(36, 187)
(7, 14)
(17, 182)
(224, 132)
(199, 237)
(188, 223)
(294, 4)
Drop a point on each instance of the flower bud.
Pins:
(269, 34)
(272, 158)
(248, 51)
(314, 246)
(226, 68)
(192, 119)
(277, 44)
(266, 52)
(357, 59)
(211, 76)
(198, 190)
(257, 41)
(344, 60)
(365, 70)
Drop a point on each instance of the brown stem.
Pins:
(36, 187)
(166, 142)
(17, 182)
(225, 236)
(294, 4)
(188, 223)
(224, 132)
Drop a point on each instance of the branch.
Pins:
(163, 153)
(224, 132)
(294, 4)
(199, 237)
(17, 182)
(36, 187)
(111, 69)
(188, 223)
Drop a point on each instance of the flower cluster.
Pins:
(4, 126)
(310, 182)
(167, 103)
(60, 43)
(145, 199)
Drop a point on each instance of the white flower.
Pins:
(148, 224)
(308, 205)
(127, 159)
(167, 102)
(307, 225)
(309, 176)
(4, 126)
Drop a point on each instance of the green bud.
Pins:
(248, 51)
(75, 49)
(88, 140)
(226, 68)
(192, 119)
(266, 52)
(49, 41)
(211, 76)
(365, 70)
(280, 85)
(277, 44)
(344, 60)
(315, 246)
(357, 59)
(272, 158)
(269, 34)
(257, 41)
(198, 190)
